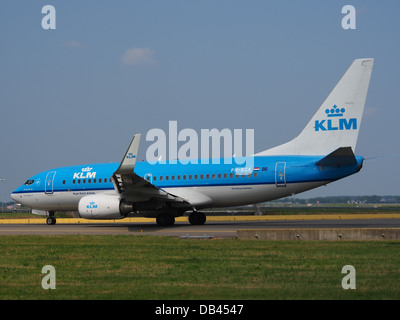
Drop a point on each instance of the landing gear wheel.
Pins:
(197, 218)
(51, 221)
(165, 220)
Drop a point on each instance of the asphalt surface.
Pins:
(184, 229)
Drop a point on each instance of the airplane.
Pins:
(322, 153)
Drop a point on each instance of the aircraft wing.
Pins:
(133, 187)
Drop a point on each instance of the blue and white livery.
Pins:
(322, 153)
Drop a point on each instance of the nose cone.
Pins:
(14, 196)
(19, 197)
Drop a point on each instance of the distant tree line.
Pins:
(343, 199)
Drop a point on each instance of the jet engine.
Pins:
(102, 206)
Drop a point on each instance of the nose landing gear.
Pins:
(51, 220)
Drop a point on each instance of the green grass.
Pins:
(130, 267)
(330, 209)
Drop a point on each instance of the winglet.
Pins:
(128, 162)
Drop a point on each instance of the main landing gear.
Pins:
(197, 218)
(51, 220)
(166, 219)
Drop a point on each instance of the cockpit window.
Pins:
(29, 182)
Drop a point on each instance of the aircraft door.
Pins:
(48, 185)
(280, 175)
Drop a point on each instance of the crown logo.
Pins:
(335, 111)
(87, 169)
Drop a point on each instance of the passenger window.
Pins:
(73, 181)
(255, 174)
(190, 177)
(213, 176)
(161, 178)
(166, 177)
(231, 175)
(201, 176)
(99, 180)
(195, 176)
(63, 181)
(184, 177)
(219, 176)
(179, 177)
(154, 178)
(173, 178)
(207, 176)
(225, 175)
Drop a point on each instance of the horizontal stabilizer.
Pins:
(340, 157)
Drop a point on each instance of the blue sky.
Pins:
(77, 94)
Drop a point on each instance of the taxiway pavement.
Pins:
(183, 228)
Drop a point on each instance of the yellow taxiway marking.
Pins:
(214, 218)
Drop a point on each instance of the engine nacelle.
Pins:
(103, 206)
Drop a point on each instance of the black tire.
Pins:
(197, 218)
(51, 221)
